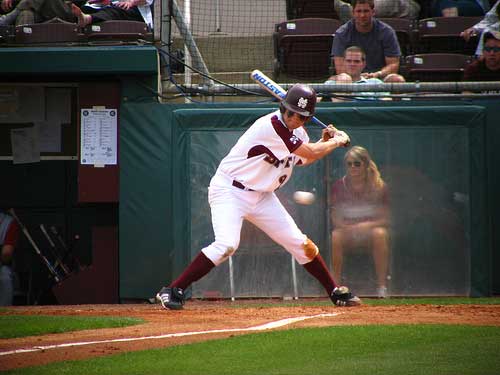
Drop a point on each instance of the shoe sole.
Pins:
(168, 307)
(354, 301)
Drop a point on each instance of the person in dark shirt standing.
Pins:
(375, 37)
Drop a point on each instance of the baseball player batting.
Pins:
(243, 187)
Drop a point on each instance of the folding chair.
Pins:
(442, 35)
(435, 67)
(48, 33)
(405, 31)
(302, 47)
(310, 9)
(119, 30)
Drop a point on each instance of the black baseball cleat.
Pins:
(341, 296)
(171, 298)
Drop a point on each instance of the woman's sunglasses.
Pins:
(492, 49)
(353, 164)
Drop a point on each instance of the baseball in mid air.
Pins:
(303, 197)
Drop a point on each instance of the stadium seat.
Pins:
(113, 31)
(405, 30)
(435, 67)
(302, 47)
(6, 34)
(48, 33)
(310, 9)
(442, 35)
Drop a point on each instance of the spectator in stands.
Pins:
(486, 68)
(459, 8)
(375, 37)
(489, 22)
(35, 11)
(132, 10)
(360, 215)
(354, 64)
(9, 233)
(397, 9)
(7, 5)
(8, 12)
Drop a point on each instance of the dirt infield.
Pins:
(208, 316)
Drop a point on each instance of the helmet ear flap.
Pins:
(282, 108)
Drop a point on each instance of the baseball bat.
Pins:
(68, 251)
(278, 92)
(51, 269)
(58, 260)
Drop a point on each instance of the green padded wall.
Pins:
(169, 152)
(146, 215)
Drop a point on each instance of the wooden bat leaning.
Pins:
(278, 92)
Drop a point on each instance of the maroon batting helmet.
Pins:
(300, 99)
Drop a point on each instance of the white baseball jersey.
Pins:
(259, 163)
(263, 159)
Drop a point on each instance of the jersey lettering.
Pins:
(281, 180)
(270, 157)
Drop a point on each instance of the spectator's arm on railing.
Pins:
(392, 66)
(338, 62)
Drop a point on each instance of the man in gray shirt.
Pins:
(375, 37)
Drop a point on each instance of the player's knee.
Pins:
(379, 233)
(218, 252)
(310, 249)
(337, 236)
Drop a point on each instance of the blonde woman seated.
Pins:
(360, 215)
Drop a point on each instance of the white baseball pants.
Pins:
(230, 205)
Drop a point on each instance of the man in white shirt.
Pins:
(243, 188)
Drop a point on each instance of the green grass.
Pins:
(360, 350)
(29, 325)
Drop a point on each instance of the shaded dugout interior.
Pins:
(432, 156)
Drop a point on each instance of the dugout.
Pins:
(437, 157)
(45, 88)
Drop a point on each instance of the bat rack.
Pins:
(55, 255)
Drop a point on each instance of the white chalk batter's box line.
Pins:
(263, 327)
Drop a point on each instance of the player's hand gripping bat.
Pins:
(279, 93)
